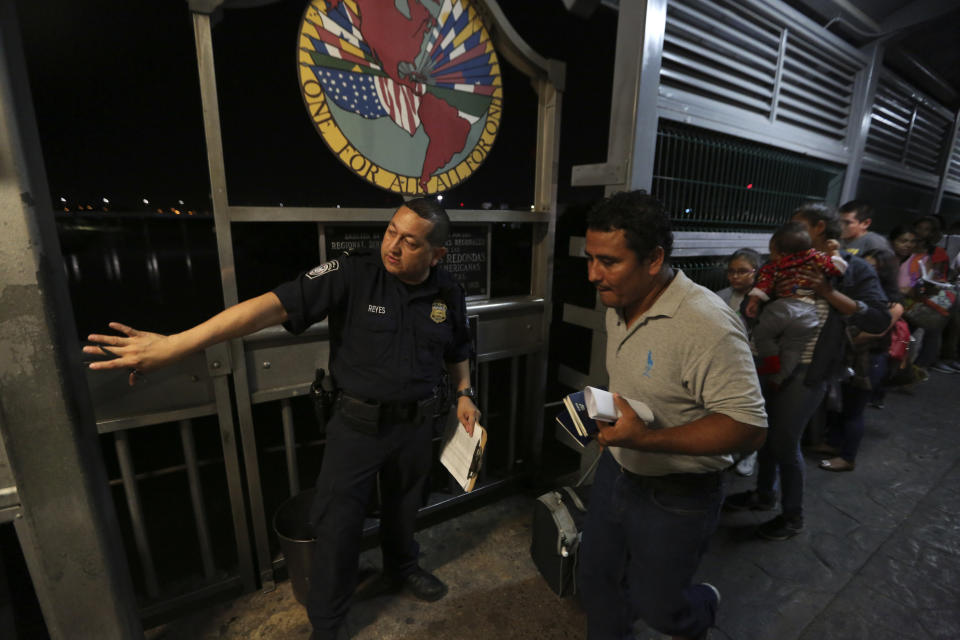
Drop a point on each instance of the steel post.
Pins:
(66, 525)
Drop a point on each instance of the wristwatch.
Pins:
(466, 393)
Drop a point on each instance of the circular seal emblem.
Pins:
(406, 93)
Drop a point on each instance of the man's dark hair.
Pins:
(431, 211)
(791, 237)
(641, 216)
(814, 212)
(862, 209)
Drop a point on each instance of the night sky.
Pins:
(117, 100)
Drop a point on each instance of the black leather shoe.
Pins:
(424, 586)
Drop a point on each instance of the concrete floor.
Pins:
(879, 559)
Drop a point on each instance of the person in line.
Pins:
(855, 236)
(928, 231)
(904, 243)
(869, 360)
(790, 250)
(858, 299)
(677, 347)
(933, 263)
(399, 320)
(742, 267)
(786, 324)
(903, 371)
(950, 347)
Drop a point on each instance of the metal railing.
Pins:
(709, 181)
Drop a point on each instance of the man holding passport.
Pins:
(676, 347)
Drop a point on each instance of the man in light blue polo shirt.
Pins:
(677, 347)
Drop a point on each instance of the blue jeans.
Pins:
(641, 546)
(788, 411)
(847, 432)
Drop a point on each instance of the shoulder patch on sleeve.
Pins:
(323, 269)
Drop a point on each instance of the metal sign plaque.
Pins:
(406, 93)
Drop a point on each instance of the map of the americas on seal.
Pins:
(406, 93)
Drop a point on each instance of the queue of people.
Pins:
(887, 320)
(820, 315)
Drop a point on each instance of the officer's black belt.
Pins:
(678, 483)
(369, 415)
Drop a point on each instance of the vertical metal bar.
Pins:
(864, 94)
(231, 463)
(909, 138)
(196, 497)
(698, 183)
(67, 522)
(290, 446)
(781, 56)
(514, 394)
(549, 98)
(221, 215)
(489, 292)
(122, 445)
(944, 167)
(322, 239)
(744, 178)
(636, 78)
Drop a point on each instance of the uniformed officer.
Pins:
(400, 319)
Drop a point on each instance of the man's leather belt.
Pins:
(683, 483)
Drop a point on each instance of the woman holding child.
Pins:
(856, 298)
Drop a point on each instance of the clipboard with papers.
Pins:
(462, 454)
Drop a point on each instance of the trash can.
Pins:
(291, 522)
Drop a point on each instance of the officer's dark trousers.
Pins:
(402, 453)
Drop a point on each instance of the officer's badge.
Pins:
(439, 312)
(323, 269)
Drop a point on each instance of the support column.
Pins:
(633, 111)
(203, 37)
(66, 522)
(944, 167)
(859, 126)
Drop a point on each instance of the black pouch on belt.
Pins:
(323, 392)
(362, 415)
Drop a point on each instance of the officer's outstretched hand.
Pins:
(467, 413)
(138, 351)
(628, 431)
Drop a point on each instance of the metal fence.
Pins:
(710, 272)
(710, 181)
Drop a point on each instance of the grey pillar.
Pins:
(66, 524)
(944, 168)
(859, 126)
(632, 142)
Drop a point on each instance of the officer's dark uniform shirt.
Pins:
(395, 337)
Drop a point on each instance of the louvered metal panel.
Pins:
(953, 170)
(763, 60)
(952, 182)
(907, 127)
